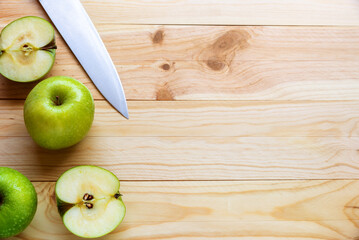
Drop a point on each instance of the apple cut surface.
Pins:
(21, 68)
(103, 218)
(77, 181)
(89, 201)
(27, 49)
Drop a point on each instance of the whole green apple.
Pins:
(27, 49)
(59, 112)
(18, 202)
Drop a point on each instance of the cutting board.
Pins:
(244, 119)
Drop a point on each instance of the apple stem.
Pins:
(57, 102)
(117, 195)
(49, 47)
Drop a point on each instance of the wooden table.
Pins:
(244, 119)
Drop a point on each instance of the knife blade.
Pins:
(80, 34)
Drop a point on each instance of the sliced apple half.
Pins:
(27, 49)
(89, 201)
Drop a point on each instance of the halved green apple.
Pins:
(27, 49)
(89, 201)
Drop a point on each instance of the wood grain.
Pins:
(221, 210)
(128, 43)
(215, 12)
(209, 118)
(191, 158)
(186, 80)
(222, 63)
(280, 104)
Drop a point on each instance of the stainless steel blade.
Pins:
(76, 27)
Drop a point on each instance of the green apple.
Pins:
(89, 201)
(27, 49)
(59, 112)
(18, 202)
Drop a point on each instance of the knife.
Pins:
(76, 27)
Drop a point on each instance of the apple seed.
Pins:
(89, 205)
(87, 197)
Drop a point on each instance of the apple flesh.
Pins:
(89, 201)
(18, 202)
(59, 112)
(27, 49)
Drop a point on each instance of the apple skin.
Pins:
(59, 112)
(18, 202)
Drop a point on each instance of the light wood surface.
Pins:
(214, 12)
(243, 122)
(250, 80)
(192, 158)
(211, 118)
(221, 210)
(222, 63)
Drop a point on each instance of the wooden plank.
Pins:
(187, 80)
(222, 63)
(215, 12)
(228, 43)
(209, 118)
(191, 158)
(223, 210)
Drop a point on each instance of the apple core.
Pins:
(87, 198)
